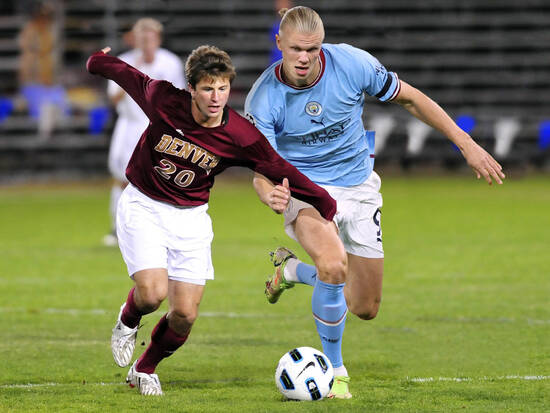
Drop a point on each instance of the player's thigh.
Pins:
(363, 288)
(320, 240)
(140, 231)
(189, 246)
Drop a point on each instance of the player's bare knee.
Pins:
(366, 310)
(332, 270)
(150, 304)
(150, 298)
(184, 317)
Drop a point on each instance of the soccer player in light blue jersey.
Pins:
(309, 107)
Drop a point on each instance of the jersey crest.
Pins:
(314, 108)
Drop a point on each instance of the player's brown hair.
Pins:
(302, 19)
(208, 61)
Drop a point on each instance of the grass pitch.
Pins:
(464, 324)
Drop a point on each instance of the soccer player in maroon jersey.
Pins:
(163, 227)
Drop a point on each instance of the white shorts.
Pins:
(153, 234)
(358, 216)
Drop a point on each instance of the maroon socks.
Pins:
(131, 316)
(164, 342)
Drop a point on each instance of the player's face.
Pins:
(209, 98)
(300, 55)
(148, 41)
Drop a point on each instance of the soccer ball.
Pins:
(304, 374)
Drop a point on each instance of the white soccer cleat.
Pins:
(123, 341)
(148, 384)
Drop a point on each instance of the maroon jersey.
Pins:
(176, 159)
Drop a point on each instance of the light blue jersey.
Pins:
(319, 128)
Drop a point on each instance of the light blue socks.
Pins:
(329, 310)
(307, 274)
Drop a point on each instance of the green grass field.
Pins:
(464, 324)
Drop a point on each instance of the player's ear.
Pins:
(191, 89)
(278, 41)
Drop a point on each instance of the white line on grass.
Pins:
(69, 342)
(99, 311)
(485, 378)
(52, 384)
(221, 314)
(70, 311)
(236, 315)
(413, 379)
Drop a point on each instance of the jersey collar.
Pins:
(322, 61)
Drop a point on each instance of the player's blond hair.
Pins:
(302, 19)
(208, 61)
(148, 23)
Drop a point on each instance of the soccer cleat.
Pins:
(276, 284)
(340, 388)
(148, 384)
(123, 341)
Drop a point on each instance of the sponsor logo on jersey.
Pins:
(325, 135)
(314, 108)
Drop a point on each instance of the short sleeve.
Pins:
(374, 78)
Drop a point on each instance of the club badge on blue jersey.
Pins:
(314, 108)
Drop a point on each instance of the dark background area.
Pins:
(484, 61)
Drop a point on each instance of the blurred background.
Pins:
(486, 62)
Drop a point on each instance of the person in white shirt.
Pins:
(157, 63)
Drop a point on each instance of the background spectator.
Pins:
(39, 68)
(156, 62)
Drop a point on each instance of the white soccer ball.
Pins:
(304, 374)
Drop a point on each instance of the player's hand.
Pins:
(279, 197)
(483, 163)
(106, 49)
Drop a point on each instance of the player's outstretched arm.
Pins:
(276, 197)
(139, 86)
(428, 111)
(121, 93)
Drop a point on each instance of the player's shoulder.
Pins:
(241, 129)
(343, 52)
(167, 55)
(164, 93)
(264, 88)
(267, 79)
